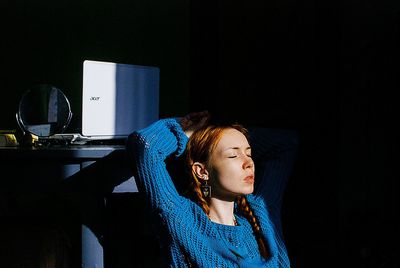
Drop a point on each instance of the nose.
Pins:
(248, 163)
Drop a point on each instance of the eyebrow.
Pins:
(236, 148)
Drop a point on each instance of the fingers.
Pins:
(194, 121)
(198, 117)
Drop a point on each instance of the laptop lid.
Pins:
(118, 98)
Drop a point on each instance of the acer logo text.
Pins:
(94, 98)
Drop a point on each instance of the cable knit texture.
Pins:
(186, 234)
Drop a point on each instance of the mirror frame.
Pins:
(62, 126)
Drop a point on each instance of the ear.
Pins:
(200, 170)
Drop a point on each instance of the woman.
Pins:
(221, 221)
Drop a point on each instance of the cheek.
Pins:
(221, 170)
(225, 176)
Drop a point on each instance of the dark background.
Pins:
(328, 69)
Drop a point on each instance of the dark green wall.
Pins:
(331, 70)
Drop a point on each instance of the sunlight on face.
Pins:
(231, 166)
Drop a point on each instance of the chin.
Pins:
(248, 191)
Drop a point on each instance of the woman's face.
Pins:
(231, 166)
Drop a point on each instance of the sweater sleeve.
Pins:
(148, 149)
(274, 153)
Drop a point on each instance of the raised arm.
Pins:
(148, 149)
(274, 153)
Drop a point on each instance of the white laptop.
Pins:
(116, 100)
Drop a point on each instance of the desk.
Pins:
(86, 179)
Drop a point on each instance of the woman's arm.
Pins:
(148, 149)
(274, 153)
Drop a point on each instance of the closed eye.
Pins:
(234, 156)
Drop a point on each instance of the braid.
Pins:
(245, 209)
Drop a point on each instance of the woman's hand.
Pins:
(193, 121)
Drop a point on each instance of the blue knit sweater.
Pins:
(184, 229)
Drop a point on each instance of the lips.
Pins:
(249, 179)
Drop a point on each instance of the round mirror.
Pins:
(43, 111)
